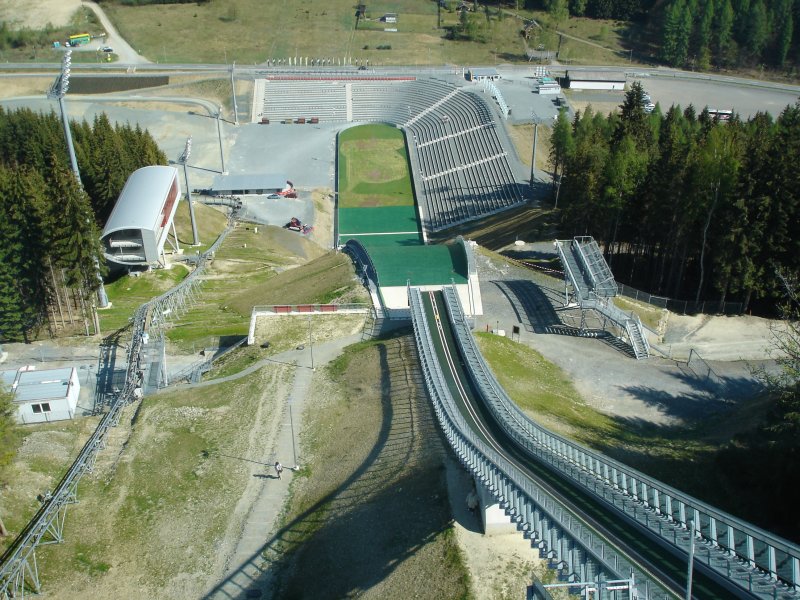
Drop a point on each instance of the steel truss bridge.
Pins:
(19, 570)
(594, 519)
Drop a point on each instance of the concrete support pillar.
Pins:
(750, 551)
(772, 564)
(730, 539)
(712, 531)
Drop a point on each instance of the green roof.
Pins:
(422, 265)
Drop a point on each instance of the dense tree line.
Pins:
(685, 206)
(49, 223)
(703, 33)
(727, 33)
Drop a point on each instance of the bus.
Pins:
(720, 114)
(79, 39)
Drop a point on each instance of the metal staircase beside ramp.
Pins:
(628, 322)
(637, 338)
(572, 269)
(599, 272)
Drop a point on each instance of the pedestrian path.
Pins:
(244, 569)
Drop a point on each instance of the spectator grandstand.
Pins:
(462, 168)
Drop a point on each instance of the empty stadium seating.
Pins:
(459, 158)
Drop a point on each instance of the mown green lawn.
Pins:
(373, 167)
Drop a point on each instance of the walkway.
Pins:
(243, 566)
(127, 55)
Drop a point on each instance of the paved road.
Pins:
(127, 55)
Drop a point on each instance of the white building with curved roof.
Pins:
(140, 222)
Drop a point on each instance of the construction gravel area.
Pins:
(662, 391)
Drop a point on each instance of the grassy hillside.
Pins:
(251, 31)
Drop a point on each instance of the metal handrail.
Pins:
(589, 467)
(479, 457)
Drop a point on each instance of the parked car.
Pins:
(106, 49)
(649, 107)
(274, 197)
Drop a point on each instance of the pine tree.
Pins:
(758, 30)
(676, 32)
(77, 248)
(22, 251)
(722, 33)
(562, 145)
(784, 23)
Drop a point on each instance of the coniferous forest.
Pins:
(699, 34)
(685, 206)
(50, 224)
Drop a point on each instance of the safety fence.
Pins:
(683, 307)
(738, 552)
(19, 571)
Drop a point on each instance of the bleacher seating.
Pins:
(460, 164)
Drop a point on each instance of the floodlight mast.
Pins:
(183, 159)
(57, 91)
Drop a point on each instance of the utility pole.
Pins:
(535, 139)
(184, 157)
(57, 91)
(233, 94)
(219, 137)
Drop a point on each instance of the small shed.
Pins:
(595, 80)
(44, 396)
(238, 185)
(482, 74)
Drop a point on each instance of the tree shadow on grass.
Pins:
(389, 509)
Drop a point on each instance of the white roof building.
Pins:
(139, 224)
(43, 396)
(595, 80)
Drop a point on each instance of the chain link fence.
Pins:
(683, 307)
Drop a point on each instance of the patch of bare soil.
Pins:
(371, 518)
(45, 452)
(287, 332)
(604, 108)
(165, 504)
(323, 218)
(37, 15)
(24, 86)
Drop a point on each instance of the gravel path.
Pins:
(265, 496)
(127, 55)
